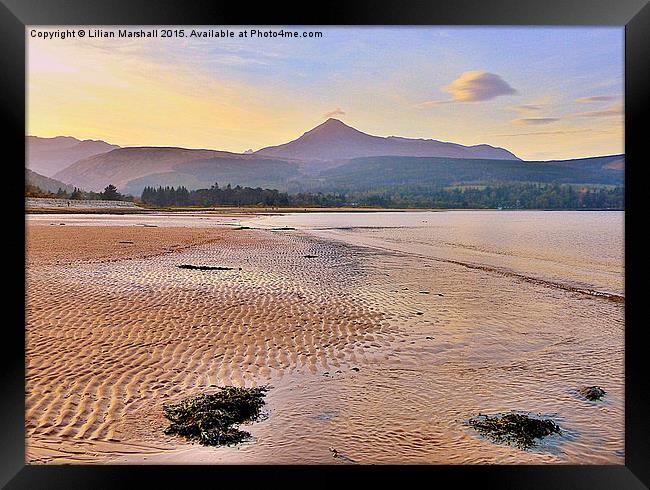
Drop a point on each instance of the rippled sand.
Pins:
(381, 355)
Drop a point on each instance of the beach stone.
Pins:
(592, 393)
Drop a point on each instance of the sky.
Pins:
(541, 92)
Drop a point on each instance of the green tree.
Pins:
(110, 193)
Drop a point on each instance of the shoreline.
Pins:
(254, 210)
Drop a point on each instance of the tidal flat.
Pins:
(379, 335)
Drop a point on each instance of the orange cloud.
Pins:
(474, 86)
(336, 112)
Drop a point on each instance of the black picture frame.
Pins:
(16, 14)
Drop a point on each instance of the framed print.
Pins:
(381, 241)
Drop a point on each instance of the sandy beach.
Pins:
(377, 352)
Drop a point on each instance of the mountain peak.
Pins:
(331, 133)
(333, 121)
(331, 125)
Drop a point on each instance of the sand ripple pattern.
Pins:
(110, 339)
(436, 342)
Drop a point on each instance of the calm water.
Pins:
(582, 249)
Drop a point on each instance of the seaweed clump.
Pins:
(205, 267)
(213, 419)
(592, 393)
(513, 428)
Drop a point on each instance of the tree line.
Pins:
(214, 196)
(109, 193)
(506, 196)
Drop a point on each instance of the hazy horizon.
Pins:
(254, 149)
(541, 93)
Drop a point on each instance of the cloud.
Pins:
(434, 103)
(529, 121)
(616, 110)
(334, 113)
(574, 131)
(531, 109)
(528, 108)
(596, 98)
(475, 86)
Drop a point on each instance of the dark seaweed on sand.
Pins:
(204, 267)
(212, 420)
(592, 393)
(514, 428)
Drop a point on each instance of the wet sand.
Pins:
(381, 355)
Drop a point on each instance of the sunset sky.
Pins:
(542, 93)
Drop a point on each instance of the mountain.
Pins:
(335, 140)
(201, 174)
(372, 173)
(47, 156)
(119, 166)
(131, 169)
(45, 183)
(325, 159)
(609, 162)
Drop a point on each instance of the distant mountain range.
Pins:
(332, 156)
(47, 156)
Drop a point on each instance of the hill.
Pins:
(47, 156)
(123, 165)
(378, 172)
(45, 183)
(197, 174)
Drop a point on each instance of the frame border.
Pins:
(15, 15)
